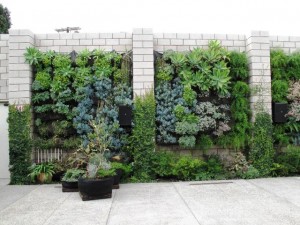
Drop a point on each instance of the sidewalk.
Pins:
(262, 201)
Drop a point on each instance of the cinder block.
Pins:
(78, 48)
(138, 58)
(40, 36)
(4, 50)
(3, 70)
(4, 63)
(220, 36)
(260, 79)
(239, 43)
(120, 48)
(137, 65)
(137, 71)
(19, 94)
(67, 36)
(24, 87)
(159, 48)
(4, 89)
(73, 42)
(13, 45)
(163, 42)
(176, 42)
(264, 40)
(46, 43)
(23, 46)
(119, 35)
(158, 35)
(106, 48)
(4, 37)
(149, 71)
(202, 42)
(137, 44)
(13, 60)
(182, 48)
(138, 85)
(189, 42)
(142, 51)
(148, 44)
(183, 35)
(53, 36)
(14, 32)
(106, 35)
(92, 36)
(283, 38)
(3, 43)
(60, 42)
(112, 41)
(129, 35)
(18, 80)
(126, 41)
(14, 88)
(273, 38)
(208, 36)
(138, 37)
(53, 48)
(3, 83)
(143, 78)
(170, 35)
(170, 47)
(3, 96)
(230, 48)
(277, 44)
(297, 44)
(147, 31)
(137, 31)
(18, 39)
(98, 41)
(65, 49)
(85, 42)
(227, 43)
(294, 38)
(196, 36)
(79, 36)
(148, 58)
(3, 56)
(289, 44)
(16, 52)
(260, 52)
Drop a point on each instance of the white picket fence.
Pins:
(49, 155)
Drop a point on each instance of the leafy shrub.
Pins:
(261, 152)
(163, 163)
(187, 141)
(238, 66)
(279, 90)
(205, 142)
(251, 173)
(187, 168)
(19, 121)
(142, 141)
(290, 159)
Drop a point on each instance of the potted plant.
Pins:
(98, 182)
(41, 172)
(70, 180)
(120, 168)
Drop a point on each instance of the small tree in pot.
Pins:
(98, 180)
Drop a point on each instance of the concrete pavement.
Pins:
(269, 201)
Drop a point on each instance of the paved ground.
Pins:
(238, 202)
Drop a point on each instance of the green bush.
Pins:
(239, 66)
(19, 121)
(261, 152)
(188, 168)
(143, 137)
(163, 163)
(280, 91)
(290, 159)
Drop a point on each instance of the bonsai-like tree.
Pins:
(5, 22)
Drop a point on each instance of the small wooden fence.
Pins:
(50, 155)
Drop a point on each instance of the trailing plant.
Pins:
(19, 121)
(261, 152)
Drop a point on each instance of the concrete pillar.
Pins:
(143, 60)
(258, 52)
(20, 73)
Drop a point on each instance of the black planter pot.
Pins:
(117, 177)
(69, 186)
(91, 189)
(57, 176)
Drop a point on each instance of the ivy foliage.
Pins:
(67, 92)
(142, 140)
(19, 121)
(285, 70)
(202, 92)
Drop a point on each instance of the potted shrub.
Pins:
(98, 182)
(41, 172)
(119, 168)
(70, 180)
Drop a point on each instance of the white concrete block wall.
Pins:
(289, 44)
(20, 72)
(67, 42)
(258, 52)
(4, 67)
(143, 60)
(189, 41)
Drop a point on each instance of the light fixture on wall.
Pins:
(68, 29)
